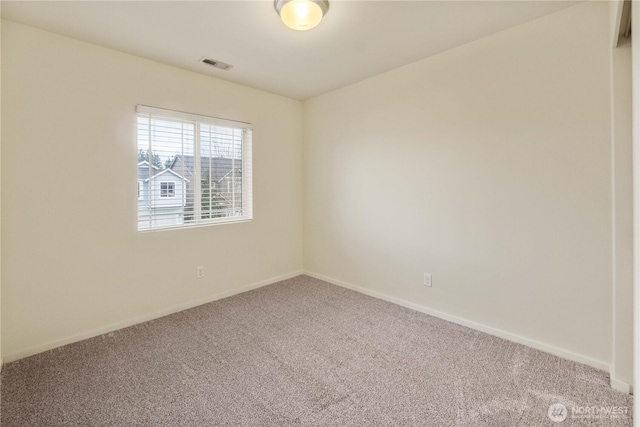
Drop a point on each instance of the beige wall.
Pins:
(488, 166)
(73, 263)
(623, 215)
(622, 198)
(622, 191)
(635, 60)
(1, 359)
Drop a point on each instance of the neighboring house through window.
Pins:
(192, 170)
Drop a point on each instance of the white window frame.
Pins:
(247, 172)
(173, 190)
(140, 189)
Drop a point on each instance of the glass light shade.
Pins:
(301, 15)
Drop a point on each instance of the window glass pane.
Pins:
(163, 145)
(220, 171)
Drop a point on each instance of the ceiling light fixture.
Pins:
(301, 15)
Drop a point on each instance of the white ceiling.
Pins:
(356, 40)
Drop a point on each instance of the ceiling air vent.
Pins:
(218, 64)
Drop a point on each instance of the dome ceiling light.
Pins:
(301, 15)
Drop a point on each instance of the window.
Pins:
(192, 170)
(167, 189)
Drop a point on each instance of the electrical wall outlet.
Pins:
(200, 272)
(427, 279)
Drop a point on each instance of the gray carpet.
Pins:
(300, 352)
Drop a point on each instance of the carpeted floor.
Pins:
(301, 352)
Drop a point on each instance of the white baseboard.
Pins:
(144, 318)
(621, 386)
(565, 354)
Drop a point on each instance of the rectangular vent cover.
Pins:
(215, 63)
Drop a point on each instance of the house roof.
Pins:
(236, 169)
(217, 167)
(146, 163)
(165, 171)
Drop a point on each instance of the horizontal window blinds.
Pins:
(192, 170)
